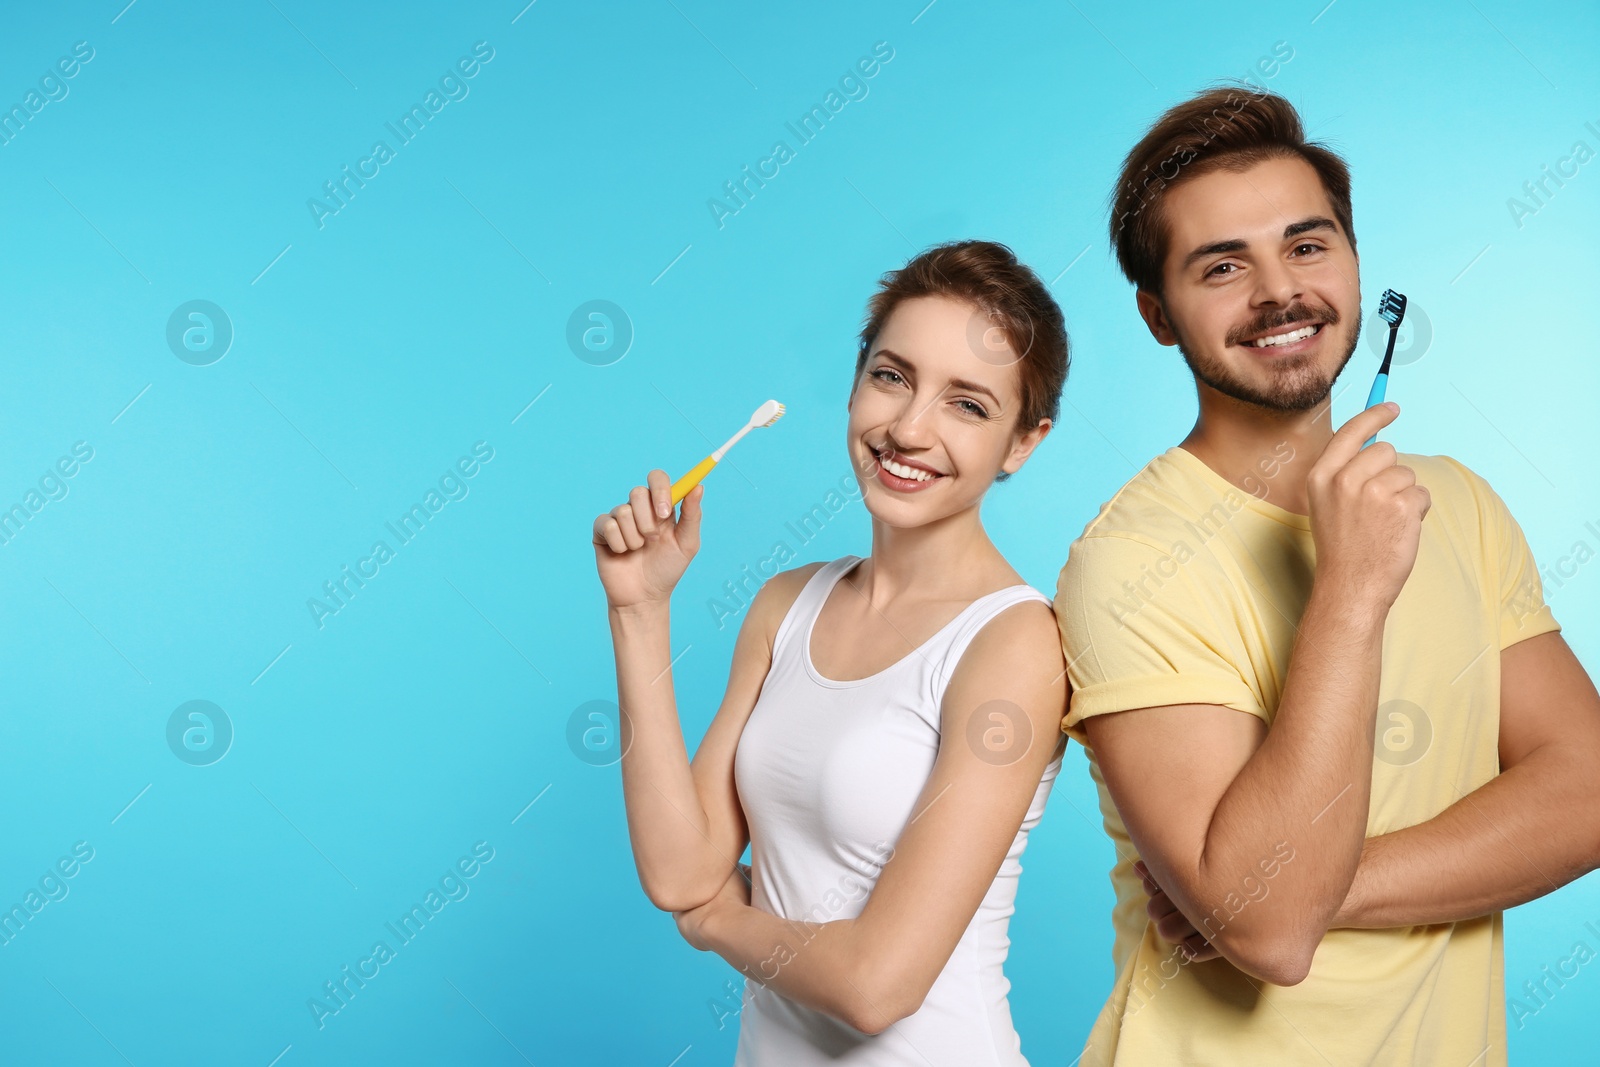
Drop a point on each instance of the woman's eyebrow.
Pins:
(959, 383)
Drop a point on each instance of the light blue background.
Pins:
(427, 315)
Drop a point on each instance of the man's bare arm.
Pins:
(1528, 831)
(1209, 794)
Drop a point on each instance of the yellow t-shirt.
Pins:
(1186, 590)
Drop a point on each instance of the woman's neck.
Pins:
(942, 560)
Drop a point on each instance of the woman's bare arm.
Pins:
(875, 969)
(685, 822)
(684, 819)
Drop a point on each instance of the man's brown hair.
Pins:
(1008, 294)
(1228, 127)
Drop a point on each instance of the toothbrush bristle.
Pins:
(1392, 307)
(772, 411)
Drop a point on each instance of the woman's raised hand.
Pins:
(641, 549)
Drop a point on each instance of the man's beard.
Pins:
(1296, 386)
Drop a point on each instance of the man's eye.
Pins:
(1308, 248)
(1219, 268)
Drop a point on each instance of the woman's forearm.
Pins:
(679, 867)
(812, 964)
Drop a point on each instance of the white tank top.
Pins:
(829, 773)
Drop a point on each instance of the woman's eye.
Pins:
(890, 377)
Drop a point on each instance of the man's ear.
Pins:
(1155, 317)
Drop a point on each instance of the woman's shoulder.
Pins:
(787, 584)
(1023, 621)
(778, 594)
(1028, 616)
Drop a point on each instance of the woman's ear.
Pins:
(1024, 446)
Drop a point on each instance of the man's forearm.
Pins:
(1525, 833)
(1307, 785)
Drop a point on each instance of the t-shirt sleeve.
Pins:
(1138, 632)
(1513, 575)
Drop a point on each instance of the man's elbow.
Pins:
(1282, 968)
(1281, 959)
(1592, 805)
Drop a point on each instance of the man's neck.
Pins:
(1265, 453)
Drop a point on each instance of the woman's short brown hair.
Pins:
(988, 276)
(1230, 126)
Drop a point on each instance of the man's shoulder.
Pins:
(1167, 495)
(1443, 472)
(1147, 526)
(1454, 489)
(1152, 506)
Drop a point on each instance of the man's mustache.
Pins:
(1268, 321)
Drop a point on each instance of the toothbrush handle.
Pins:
(1379, 385)
(681, 487)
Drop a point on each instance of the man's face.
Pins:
(1262, 292)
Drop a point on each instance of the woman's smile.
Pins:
(900, 474)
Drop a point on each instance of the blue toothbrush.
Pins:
(1393, 308)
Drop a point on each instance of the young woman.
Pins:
(891, 727)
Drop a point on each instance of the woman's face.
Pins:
(934, 412)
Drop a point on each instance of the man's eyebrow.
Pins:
(1315, 222)
(1238, 244)
(959, 383)
(1216, 248)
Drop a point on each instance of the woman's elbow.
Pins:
(675, 896)
(878, 1001)
(675, 902)
(873, 1017)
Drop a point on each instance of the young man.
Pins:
(1254, 606)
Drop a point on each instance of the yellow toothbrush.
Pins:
(765, 415)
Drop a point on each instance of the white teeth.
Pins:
(900, 470)
(1285, 338)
